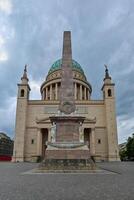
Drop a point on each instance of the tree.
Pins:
(130, 147)
(123, 154)
(127, 153)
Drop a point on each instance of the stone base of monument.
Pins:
(67, 165)
(67, 157)
(67, 150)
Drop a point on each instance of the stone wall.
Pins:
(41, 110)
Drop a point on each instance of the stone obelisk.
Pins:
(67, 151)
(67, 104)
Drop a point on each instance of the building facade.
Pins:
(6, 147)
(33, 126)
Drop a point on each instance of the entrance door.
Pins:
(44, 140)
(87, 136)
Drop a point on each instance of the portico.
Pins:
(44, 135)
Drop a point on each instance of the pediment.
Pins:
(90, 120)
(42, 120)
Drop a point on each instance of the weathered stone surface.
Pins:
(67, 164)
(67, 104)
(67, 154)
(67, 127)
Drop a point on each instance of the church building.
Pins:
(33, 129)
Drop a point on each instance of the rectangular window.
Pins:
(32, 141)
(99, 141)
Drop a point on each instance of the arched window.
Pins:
(22, 93)
(109, 93)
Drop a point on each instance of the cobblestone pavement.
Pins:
(16, 185)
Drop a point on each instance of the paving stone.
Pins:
(15, 184)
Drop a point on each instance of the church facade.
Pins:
(33, 126)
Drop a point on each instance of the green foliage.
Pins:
(130, 147)
(128, 152)
(122, 154)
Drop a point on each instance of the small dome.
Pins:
(57, 65)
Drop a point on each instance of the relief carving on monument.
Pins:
(53, 132)
(81, 134)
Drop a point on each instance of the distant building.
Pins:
(33, 125)
(122, 146)
(6, 147)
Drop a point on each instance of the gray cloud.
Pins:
(102, 32)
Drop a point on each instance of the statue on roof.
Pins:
(106, 71)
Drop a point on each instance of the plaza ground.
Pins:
(17, 183)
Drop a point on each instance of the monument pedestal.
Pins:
(67, 127)
(67, 152)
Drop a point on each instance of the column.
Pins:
(51, 92)
(46, 93)
(56, 91)
(92, 141)
(43, 95)
(39, 143)
(49, 134)
(75, 91)
(88, 94)
(80, 92)
(85, 92)
(81, 133)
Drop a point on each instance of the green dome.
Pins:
(57, 65)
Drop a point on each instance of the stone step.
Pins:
(67, 164)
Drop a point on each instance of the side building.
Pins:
(6, 147)
(33, 126)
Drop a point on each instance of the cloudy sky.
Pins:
(102, 33)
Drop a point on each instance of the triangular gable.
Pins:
(42, 120)
(89, 120)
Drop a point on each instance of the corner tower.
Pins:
(110, 113)
(21, 115)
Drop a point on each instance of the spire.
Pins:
(24, 77)
(106, 73)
